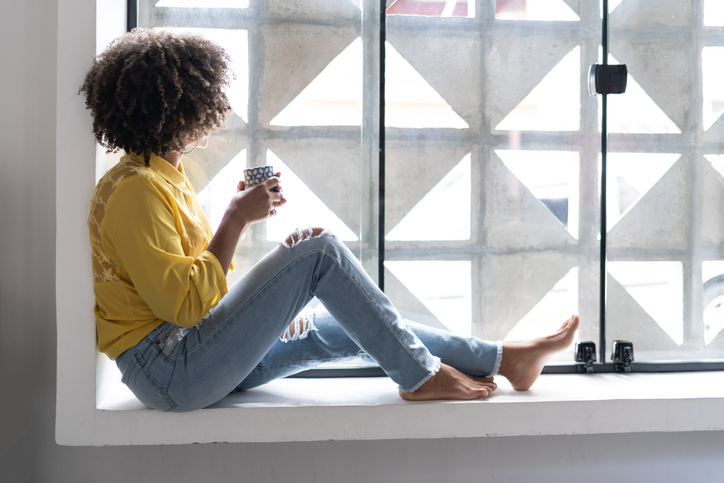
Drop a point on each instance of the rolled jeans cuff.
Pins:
(498, 359)
(434, 366)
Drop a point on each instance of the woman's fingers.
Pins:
(272, 183)
(275, 189)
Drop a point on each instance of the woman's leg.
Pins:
(219, 353)
(324, 340)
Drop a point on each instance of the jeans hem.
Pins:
(498, 360)
(435, 368)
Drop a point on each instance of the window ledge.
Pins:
(369, 408)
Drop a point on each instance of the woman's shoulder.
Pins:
(129, 166)
(127, 169)
(121, 188)
(127, 174)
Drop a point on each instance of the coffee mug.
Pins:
(254, 176)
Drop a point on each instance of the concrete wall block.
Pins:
(450, 62)
(712, 216)
(627, 320)
(660, 220)
(645, 14)
(513, 284)
(413, 168)
(292, 56)
(663, 69)
(331, 168)
(316, 10)
(514, 65)
(516, 219)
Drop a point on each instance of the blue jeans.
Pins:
(237, 345)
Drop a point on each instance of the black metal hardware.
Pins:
(622, 355)
(586, 353)
(382, 151)
(607, 79)
(131, 15)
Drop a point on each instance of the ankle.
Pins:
(511, 354)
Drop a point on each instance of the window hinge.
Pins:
(622, 355)
(585, 353)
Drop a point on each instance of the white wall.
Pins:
(28, 452)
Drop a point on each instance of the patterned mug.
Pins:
(254, 176)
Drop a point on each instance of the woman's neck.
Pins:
(174, 158)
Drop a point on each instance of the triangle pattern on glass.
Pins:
(712, 60)
(545, 317)
(712, 213)
(318, 10)
(516, 65)
(715, 132)
(630, 177)
(445, 62)
(293, 56)
(442, 286)
(612, 5)
(333, 98)
(215, 196)
(512, 285)
(635, 111)
(657, 288)
(717, 162)
(449, 203)
(660, 218)
(717, 343)
(318, 166)
(633, 15)
(409, 306)
(517, 219)
(554, 104)
(541, 10)
(410, 101)
(412, 170)
(552, 177)
(646, 62)
(576, 6)
(627, 320)
(303, 208)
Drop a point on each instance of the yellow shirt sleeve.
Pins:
(160, 248)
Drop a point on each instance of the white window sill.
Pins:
(369, 409)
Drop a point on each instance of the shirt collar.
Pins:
(176, 177)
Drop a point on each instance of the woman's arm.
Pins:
(246, 207)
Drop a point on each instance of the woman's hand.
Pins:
(246, 207)
(258, 202)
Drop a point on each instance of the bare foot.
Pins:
(449, 383)
(523, 362)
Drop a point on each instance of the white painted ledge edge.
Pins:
(370, 409)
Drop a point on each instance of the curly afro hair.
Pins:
(152, 90)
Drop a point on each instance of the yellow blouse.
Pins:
(149, 235)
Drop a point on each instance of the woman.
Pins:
(181, 338)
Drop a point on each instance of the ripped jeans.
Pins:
(238, 344)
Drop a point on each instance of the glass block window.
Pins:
(491, 155)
